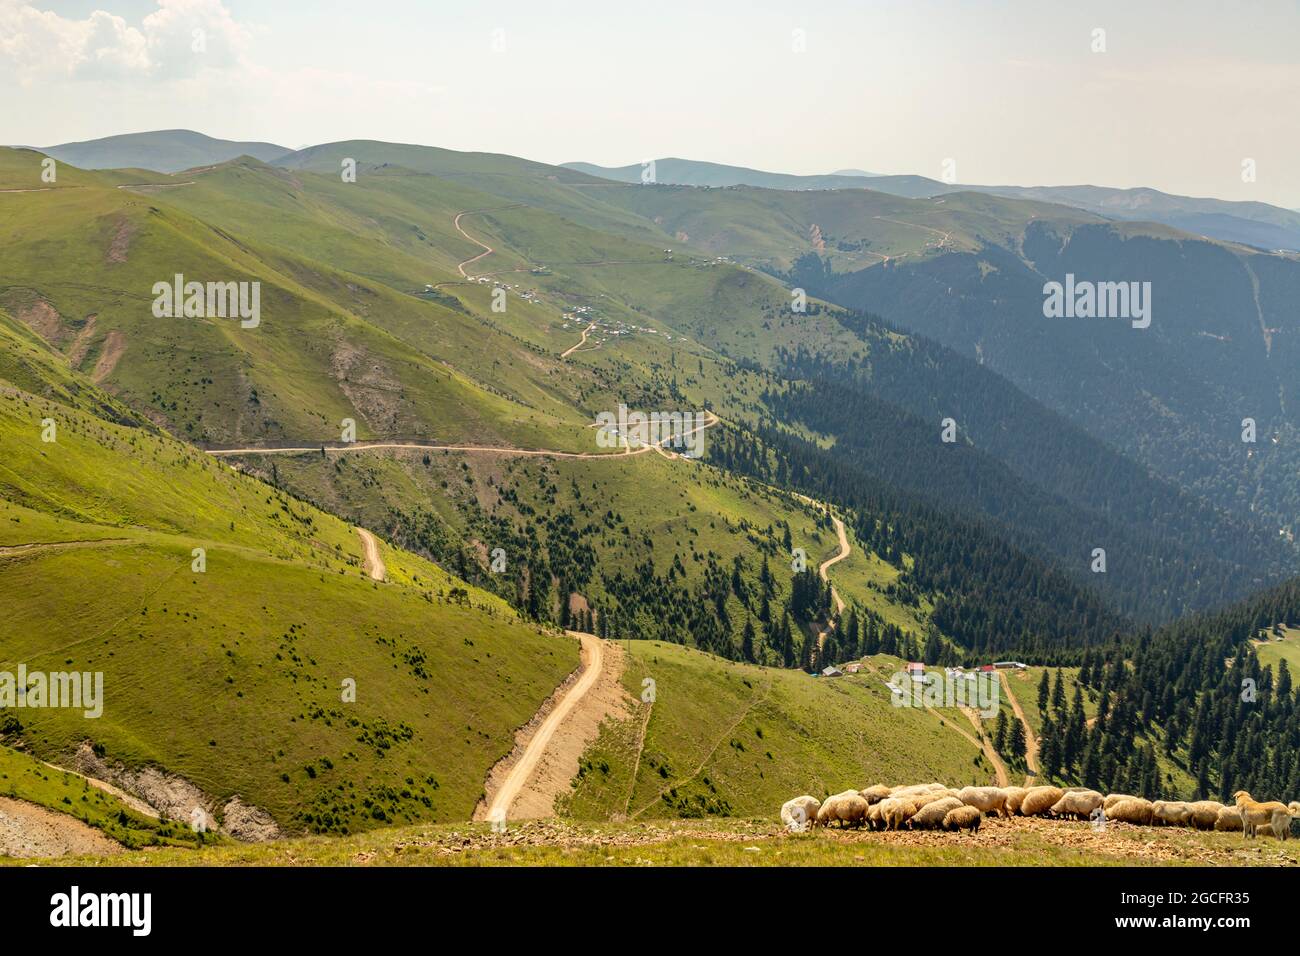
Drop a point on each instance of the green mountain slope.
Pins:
(232, 677)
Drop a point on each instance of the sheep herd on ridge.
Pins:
(933, 806)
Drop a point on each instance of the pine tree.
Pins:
(1016, 745)
(1000, 732)
(1058, 696)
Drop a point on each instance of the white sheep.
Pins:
(846, 808)
(963, 818)
(875, 793)
(1133, 810)
(1228, 820)
(896, 811)
(932, 814)
(1204, 814)
(1039, 800)
(1170, 813)
(985, 799)
(1077, 803)
(1013, 797)
(800, 813)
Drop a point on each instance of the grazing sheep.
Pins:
(800, 813)
(1204, 814)
(1039, 800)
(985, 799)
(1229, 820)
(1255, 814)
(875, 820)
(846, 808)
(1013, 797)
(874, 794)
(895, 811)
(932, 814)
(1170, 813)
(966, 817)
(1114, 798)
(1078, 804)
(916, 790)
(928, 798)
(1133, 810)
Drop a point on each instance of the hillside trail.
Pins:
(1031, 741)
(951, 724)
(487, 250)
(154, 185)
(549, 748)
(581, 342)
(825, 565)
(1000, 768)
(758, 697)
(823, 568)
(373, 563)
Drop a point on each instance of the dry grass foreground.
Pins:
(1018, 841)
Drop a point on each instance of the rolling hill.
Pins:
(167, 151)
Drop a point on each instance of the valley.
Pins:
(356, 567)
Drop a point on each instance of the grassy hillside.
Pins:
(232, 677)
(330, 346)
(726, 739)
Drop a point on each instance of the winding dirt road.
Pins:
(593, 664)
(373, 563)
(581, 342)
(487, 250)
(844, 553)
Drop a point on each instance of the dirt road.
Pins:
(557, 744)
(825, 565)
(373, 563)
(492, 449)
(581, 342)
(1004, 779)
(1031, 742)
(844, 553)
(487, 250)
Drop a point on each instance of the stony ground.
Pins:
(1019, 841)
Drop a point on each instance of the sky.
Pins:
(1195, 97)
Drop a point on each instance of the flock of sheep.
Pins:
(932, 806)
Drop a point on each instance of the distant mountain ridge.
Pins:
(1252, 223)
(689, 172)
(167, 151)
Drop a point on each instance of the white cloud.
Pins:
(179, 39)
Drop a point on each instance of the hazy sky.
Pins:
(1011, 91)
